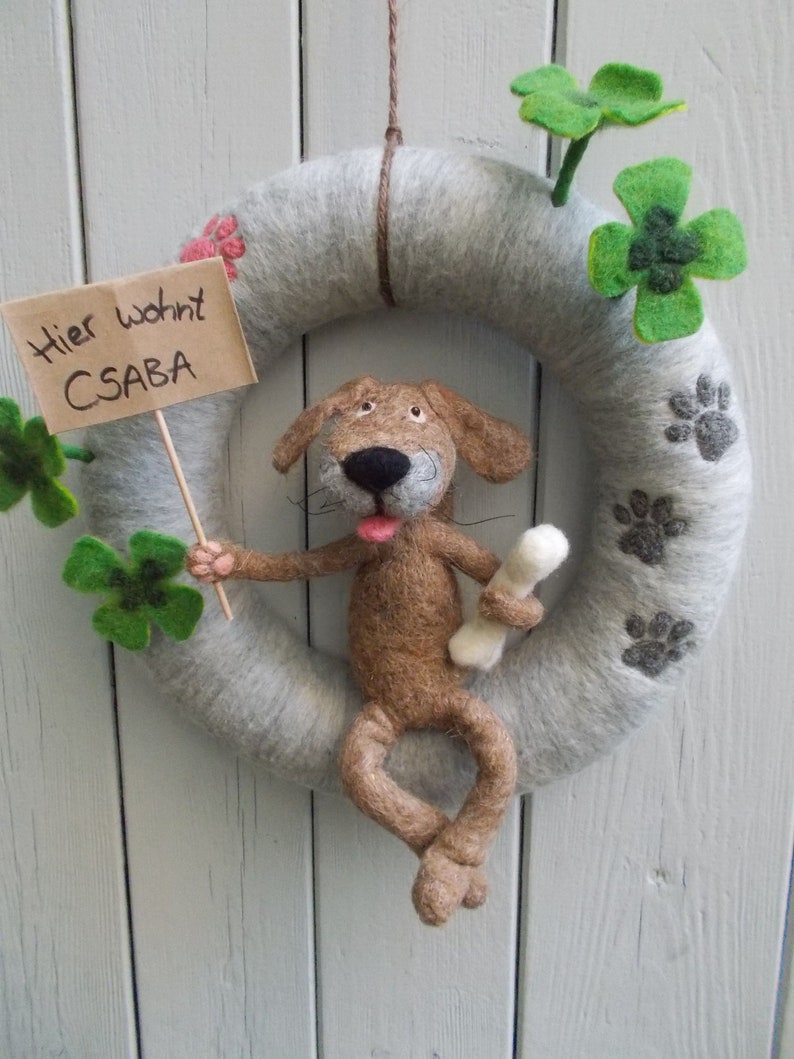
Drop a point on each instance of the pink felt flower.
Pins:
(217, 240)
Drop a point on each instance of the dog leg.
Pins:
(447, 866)
(369, 739)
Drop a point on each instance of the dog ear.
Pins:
(493, 448)
(294, 442)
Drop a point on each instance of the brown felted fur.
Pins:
(311, 421)
(494, 449)
(501, 607)
(404, 608)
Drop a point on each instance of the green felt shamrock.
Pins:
(660, 254)
(619, 94)
(31, 460)
(139, 592)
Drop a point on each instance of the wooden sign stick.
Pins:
(201, 536)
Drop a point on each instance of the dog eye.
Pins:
(365, 408)
(418, 414)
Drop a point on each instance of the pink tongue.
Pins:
(378, 528)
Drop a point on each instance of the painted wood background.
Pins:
(161, 897)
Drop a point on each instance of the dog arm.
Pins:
(498, 605)
(471, 558)
(222, 560)
(497, 602)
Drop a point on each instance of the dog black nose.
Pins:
(376, 468)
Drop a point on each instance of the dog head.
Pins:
(391, 452)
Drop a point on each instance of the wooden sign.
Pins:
(109, 350)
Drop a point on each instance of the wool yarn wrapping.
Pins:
(474, 236)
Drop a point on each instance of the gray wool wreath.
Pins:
(477, 237)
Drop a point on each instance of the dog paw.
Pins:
(648, 524)
(442, 885)
(210, 562)
(705, 415)
(657, 643)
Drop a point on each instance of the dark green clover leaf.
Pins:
(661, 254)
(139, 592)
(619, 94)
(31, 460)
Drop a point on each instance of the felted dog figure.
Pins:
(389, 458)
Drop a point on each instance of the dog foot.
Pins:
(442, 885)
(477, 891)
(210, 562)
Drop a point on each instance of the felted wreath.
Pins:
(481, 238)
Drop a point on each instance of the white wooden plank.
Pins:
(658, 878)
(65, 983)
(181, 106)
(388, 985)
(783, 1044)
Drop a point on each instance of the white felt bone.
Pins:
(479, 642)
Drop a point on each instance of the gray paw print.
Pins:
(661, 641)
(649, 525)
(714, 431)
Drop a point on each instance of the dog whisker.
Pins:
(327, 507)
(329, 510)
(480, 521)
(434, 475)
(308, 496)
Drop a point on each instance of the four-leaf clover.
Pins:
(661, 254)
(619, 94)
(140, 592)
(31, 460)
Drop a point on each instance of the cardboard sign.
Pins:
(109, 350)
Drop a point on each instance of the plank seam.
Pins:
(784, 969)
(559, 13)
(80, 267)
(78, 219)
(524, 825)
(302, 126)
(136, 1007)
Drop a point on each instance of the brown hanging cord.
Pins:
(394, 138)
